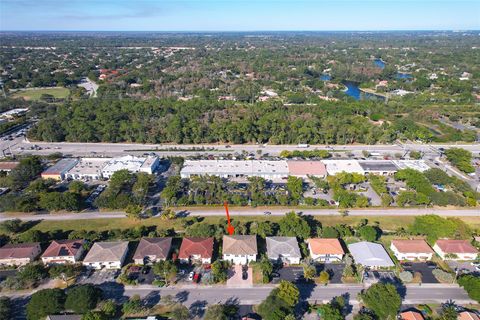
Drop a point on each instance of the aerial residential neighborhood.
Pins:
(239, 160)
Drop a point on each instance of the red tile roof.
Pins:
(196, 246)
(18, 251)
(8, 165)
(467, 315)
(411, 315)
(325, 246)
(412, 246)
(456, 246)
(63, 248)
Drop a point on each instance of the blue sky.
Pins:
(241, 15)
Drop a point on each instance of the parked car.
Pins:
(191, 275)
(196, 278)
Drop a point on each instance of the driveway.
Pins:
(334, 269)
(371, 277)
(235, 277)
(292, 274)
(424, 268)
(99, 276)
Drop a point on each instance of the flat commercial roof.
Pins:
(89, 166)
(235, 167)
(378, 165)
(303, 168)
(61, 166)
(419, 165)
(131, 163)
(337, 166)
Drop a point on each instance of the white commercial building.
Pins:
(130, 163)
(338, 166)
(418, 165)
(87, 169)
(270, 170)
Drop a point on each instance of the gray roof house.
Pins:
(283, 249)
(370, 254)
(110, 255)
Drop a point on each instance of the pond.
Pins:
(379, 63)
(325, 77)
(354, 91)
(401, 75)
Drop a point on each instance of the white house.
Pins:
(411, 250)
(283, 249)
(108, 255)
(240, 249)
(455, 249)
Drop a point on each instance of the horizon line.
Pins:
(253, 30)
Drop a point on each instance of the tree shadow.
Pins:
(113, 290)
(197, 309)
(182, 296)
(152, 299)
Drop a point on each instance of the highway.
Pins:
(21, 146)
(248, 211)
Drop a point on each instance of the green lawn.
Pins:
(386, 223)
(35, 94)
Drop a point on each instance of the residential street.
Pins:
(247, 211)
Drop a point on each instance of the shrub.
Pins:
(442, 276)
(406, 276)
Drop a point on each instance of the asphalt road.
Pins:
(412, 294)
(220, 211)
(20, 146)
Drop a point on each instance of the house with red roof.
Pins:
(411, 250)
(449, 249)
(196, 250)
(468, 315)
(325, 249)
(411, 315)
(63, 251)
(19, 254)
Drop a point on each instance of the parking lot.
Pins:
(98, 277)
(461, 267)
(424, 268)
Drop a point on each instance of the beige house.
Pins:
(325, 249)
(108, 255)
(19, 254)
(240, 249)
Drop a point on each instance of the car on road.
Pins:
(267, 213)
(191, 275)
